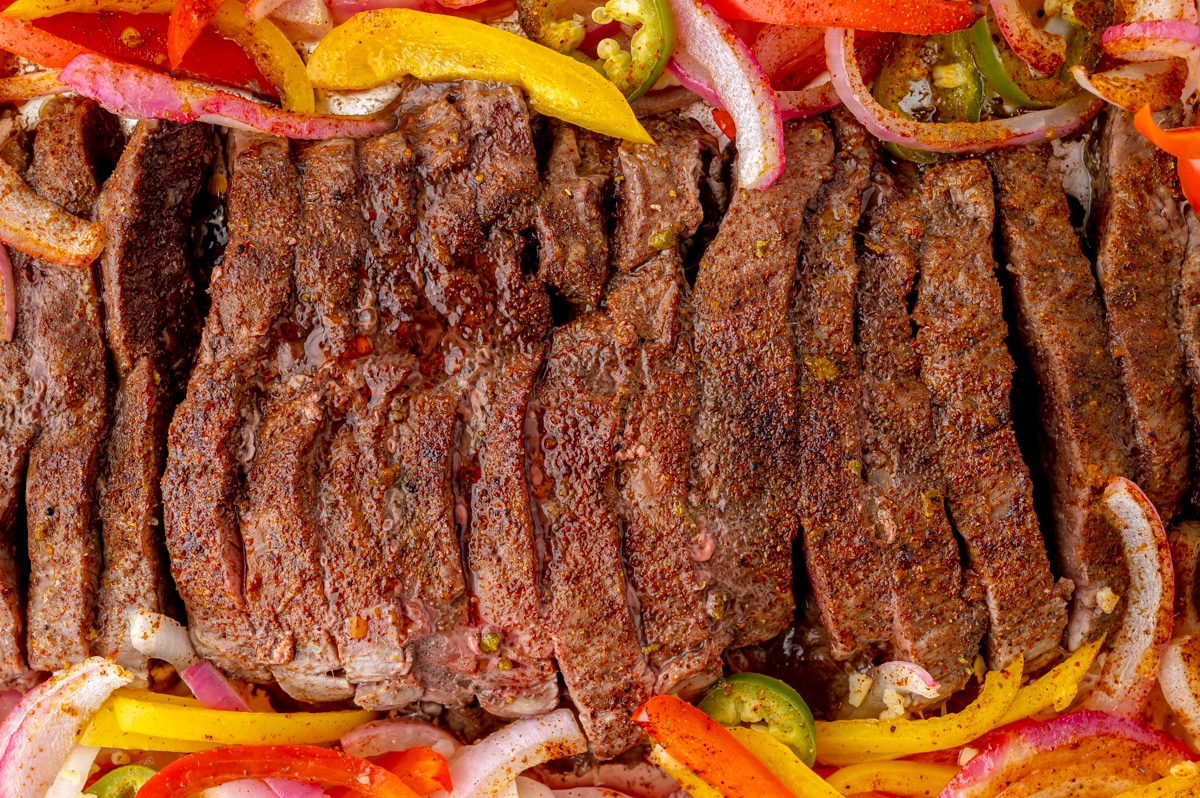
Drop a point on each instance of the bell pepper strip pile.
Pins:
(911, 16)
(783, 762)
(1055, 688)
(304, 763)
(272, 52)
(754, 698)
(188, 19)
(377, 47)
(124, 782)
(848, 742)
(705, 748)
(895, 778)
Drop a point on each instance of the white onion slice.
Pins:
(73, 775)
(1185, 553)
(779, 48)
(1154, 83)
(531, 788)
(1145, 628)
(742, 86)
(1179, 679)
(952, 136)
(397, 734)
(1044, 51)
(38, 735)
(1143, 10)
(642, 778)
(809, 101)
(286, 788)
(484, 769)
(8, 297)
(160, 637)
(1157, 40)
(245, 788)
(258, 9)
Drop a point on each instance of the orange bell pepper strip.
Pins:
(910, 16)
(304, 763)
(1182, 142)
(707, 749)
(21, 38)
(424, 770)
(188, 19)
(1189, 180)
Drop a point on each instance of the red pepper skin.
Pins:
(423, 769)
(188, 20)
(1189, 180)
(1182, 142)
(911, 16)
(23, 39)
(195, 773)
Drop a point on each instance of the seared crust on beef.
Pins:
(1084, 422)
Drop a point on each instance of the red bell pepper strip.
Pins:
(422, 769)
(188, 20)
(910, 16)
(1183, 143)
(1189, 180)
(707, 749)
(304, 763)
(23, 39)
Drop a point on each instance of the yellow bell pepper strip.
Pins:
(692, 784)
(783, 762)
(895, 778)
(145, 713)
(104, 732)
(272, 52)
(376, 47)
(304, 763)
(1055, 688)
(1184, 782)
(848, 742)
(707, 749)
(37, 9)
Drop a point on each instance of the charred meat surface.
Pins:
(744, 441)
(840, 549)
(1189, 340)
(934, 621)
(1061, 324)
(1138, 261)
(967, 368)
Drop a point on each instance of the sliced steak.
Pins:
(651, 312)
(967, 368)
(1085, 424)
(743, 444)
(933, 622)
(75, 148)
(572, 239)
(840, 549)
(1189, 339)
(1138, 262)
(214, 432)
(152, 326)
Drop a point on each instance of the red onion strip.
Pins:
(1046, 52)
(8, 296)
(808, 102)
(1156, 40)
(397, 734)
(42, 229)
(1154, 83)
(26, 87)
(642, 778)
(740, 84)
(1145, 629)
(1179, 679)
(953, 136)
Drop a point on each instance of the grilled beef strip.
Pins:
(213, 435)
(572, 241)
(1061, 323)
(151, 325)
(650, 304)
(744, 440)
(1189, 340)
(935, 622)
(843, 558)
(75, 147)
(1138, 261)
(967, 368)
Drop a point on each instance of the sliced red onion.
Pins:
(38, 735)
(73, 775)
(1154, 83)
(8, 297)
(286, 788)
(808, 102)
(246, 788)
(1145, 628)
(1185, 553)
(8, 700)
(398, 734)
(1044, 51)
(531, 788)
(212, 688)
(1179, 679)
(26, 87)
(486, 768)
(907, 677)
(780, 48)
(303, 20)
(258, 9)
(134, 91)
(741, 85)
(643, 779)
(1157, 40)
(692, 75)
(949, 137)
(1030, 748)
(1143, 10)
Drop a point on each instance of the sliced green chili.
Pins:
(754, 699)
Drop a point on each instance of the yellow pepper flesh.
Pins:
(1184, 782)
(692, 784)
(848, 742)
(275, 56)
(897, 778)
(784, 763)
(105, 732)
(377, 47)
(37, 9)
(1056, 688)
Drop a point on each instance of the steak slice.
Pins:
(75, 147)
(743, 444)
(151, 326)
(595, 639)
(1189, 339)
(840, 549)
(651, 316)
(1061, 323)
(571, 227)
(1138, 262)
(933, 622)
(967, 368)
(214, 430)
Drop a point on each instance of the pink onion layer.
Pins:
(398, 734)
(8, 297)
(39, 734)
(1046, 52)
(212, 688)
(1156, 40)
(808, 102)
(8, 700)
(779, 48)
(286, 788)
(723, 61)
(955, 137)
(1185, 552)
(134, 91)
(1148, 619)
